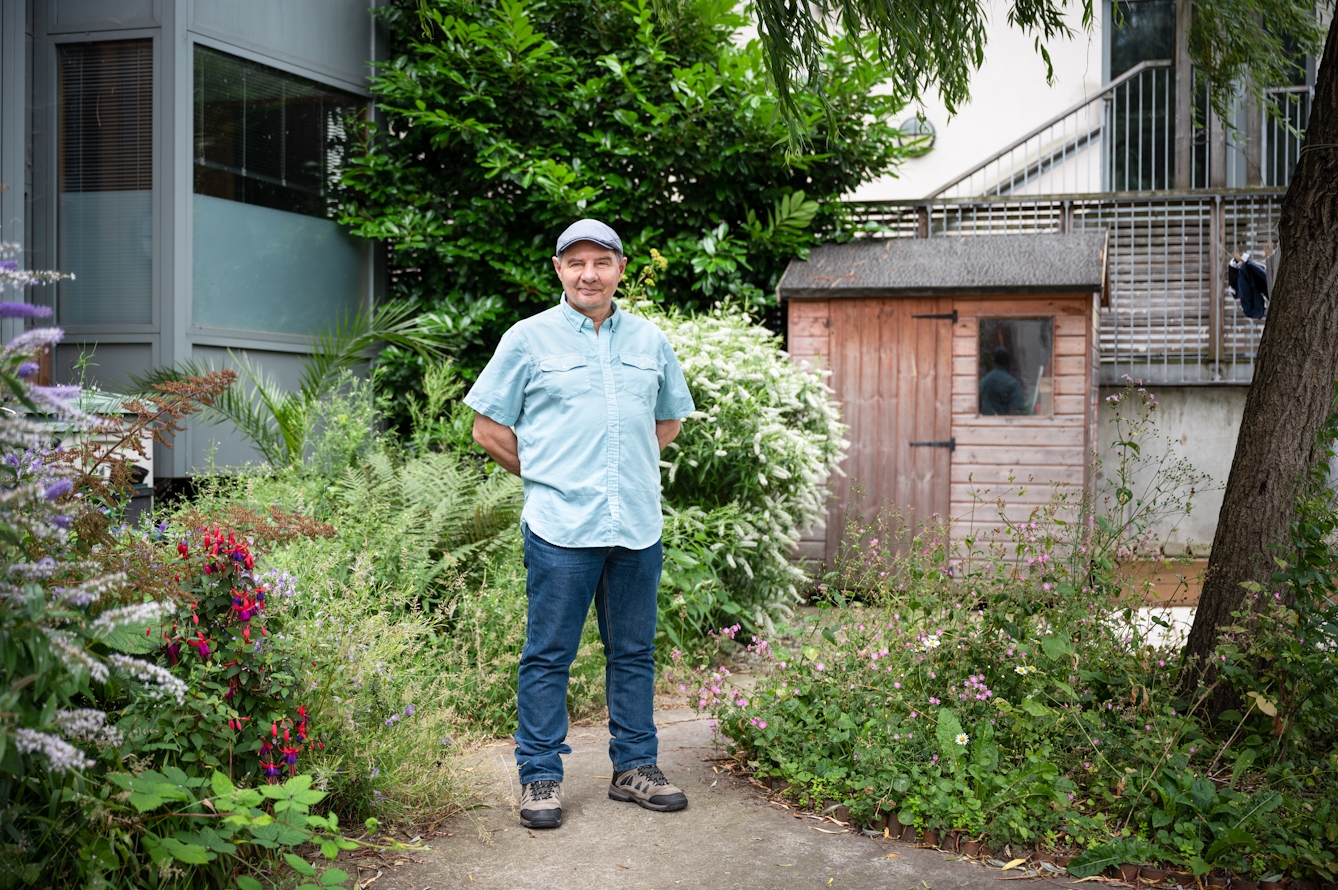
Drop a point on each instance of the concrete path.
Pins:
(730, 836)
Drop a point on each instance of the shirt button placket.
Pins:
(611, 400)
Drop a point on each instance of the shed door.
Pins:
(892, 372)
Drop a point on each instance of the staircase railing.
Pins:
(1117, 139)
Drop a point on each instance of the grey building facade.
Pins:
(177, 156)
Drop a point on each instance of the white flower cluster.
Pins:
(764, 440)
(159, 680)
(60, 755)
(74, 656)
(88, 725)
(139, 614)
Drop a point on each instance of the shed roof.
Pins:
(942, 266)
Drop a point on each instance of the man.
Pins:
(593, 395)
(1000, 391)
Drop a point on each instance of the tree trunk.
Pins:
(1293, 389)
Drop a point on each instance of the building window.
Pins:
(1017, 373)
(269, 148)
(105, 215)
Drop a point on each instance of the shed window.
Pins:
(1017, 366)
(105, 216)
(269, 150)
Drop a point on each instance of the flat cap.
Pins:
(589, 230)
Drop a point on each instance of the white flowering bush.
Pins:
(748, 471)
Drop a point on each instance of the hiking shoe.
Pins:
(540, 806)
(646, 786)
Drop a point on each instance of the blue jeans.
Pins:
(560, 583)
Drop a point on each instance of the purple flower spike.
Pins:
(27, 369)
(408, 712)
(23, 310)
(9, 265)
(59, 488)
(61, 521)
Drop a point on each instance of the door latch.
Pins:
(951, 444)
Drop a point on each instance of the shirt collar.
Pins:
(579, 322)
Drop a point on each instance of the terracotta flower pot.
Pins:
(1237, 884)
(908, 833)
(1129, 873)
(841, 813)
(971, 848)
(1304, 885)
(1183, 878)
(1217, 881)
(895, 828)
(1151, 875)
(931, 838)
(1272, 885)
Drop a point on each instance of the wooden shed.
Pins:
(960, 363)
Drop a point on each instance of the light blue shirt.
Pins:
(584, 408)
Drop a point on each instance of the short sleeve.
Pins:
(675, 401)
(499, 391)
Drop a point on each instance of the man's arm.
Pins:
(665, 430)
(500, 442)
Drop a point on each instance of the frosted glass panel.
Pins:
(260, 269)
(106, 240)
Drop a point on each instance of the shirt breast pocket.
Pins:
(641, 376)
(565, 376)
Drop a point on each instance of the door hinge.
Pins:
(952, 315)
(951, 444)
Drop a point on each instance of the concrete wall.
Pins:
(1009, 97)
(1198, 424)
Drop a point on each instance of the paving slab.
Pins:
(730, 836)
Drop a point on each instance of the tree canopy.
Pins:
(504, 121)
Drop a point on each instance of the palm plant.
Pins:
(278, 421)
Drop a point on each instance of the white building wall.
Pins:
(1009, 97)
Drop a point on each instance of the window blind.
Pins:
(105, 216)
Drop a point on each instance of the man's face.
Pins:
(590, 275)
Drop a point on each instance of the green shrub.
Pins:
(747, 472)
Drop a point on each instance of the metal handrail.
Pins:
(1100, 94)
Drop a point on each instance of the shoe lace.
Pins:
(542, 790)
(652, 772)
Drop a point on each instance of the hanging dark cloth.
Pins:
(1248, 282)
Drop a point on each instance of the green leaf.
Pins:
(332, 877)
(1036, 709)
(1235, 837)
(191, 854)
(1103, 856)
(329, 850)
(221, 784)
(949, 728)
(1056, 648)
(246, 882)
(130, 639)
(300, 865)
(828, 635)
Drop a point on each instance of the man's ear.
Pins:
(557, 265)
